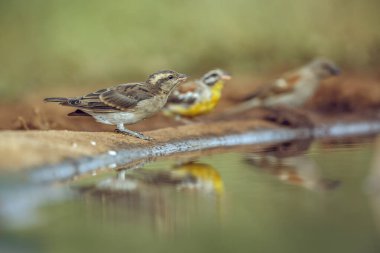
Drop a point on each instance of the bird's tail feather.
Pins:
(56, 99)
(78, 113)
(242, 107)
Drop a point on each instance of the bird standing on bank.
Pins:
(292, 89)
(197, 97)
(126, 103)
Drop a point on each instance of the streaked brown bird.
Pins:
(125, 103)
(293, 89)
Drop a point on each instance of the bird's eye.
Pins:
(170, 77)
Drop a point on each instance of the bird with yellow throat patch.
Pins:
(197, 97)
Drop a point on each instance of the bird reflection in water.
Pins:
(169, 198)
(288, 162)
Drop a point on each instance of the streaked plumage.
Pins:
(197, 97)
(292, 89)
(126, 103)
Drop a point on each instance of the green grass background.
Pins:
(71, 43)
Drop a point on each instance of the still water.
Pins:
(293, 197)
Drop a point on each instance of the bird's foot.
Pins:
(134, 134)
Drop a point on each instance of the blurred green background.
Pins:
(67, 43)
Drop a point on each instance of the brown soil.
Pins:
(24, 149)
(61, 137)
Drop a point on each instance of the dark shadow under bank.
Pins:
(69, 169)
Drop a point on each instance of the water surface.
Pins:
(294, 197)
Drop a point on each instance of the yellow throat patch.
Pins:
(202, 107)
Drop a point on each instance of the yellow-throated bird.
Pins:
(201, 176)
(197, 97)
(190, 175)
(126, 103)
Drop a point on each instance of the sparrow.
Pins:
(125, 103)
(293, 89)
(197, 97)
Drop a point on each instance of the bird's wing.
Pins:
(285, 84)
(279, 86)
(187, 87)
(185, 93)
(126, 96)
(118, 98)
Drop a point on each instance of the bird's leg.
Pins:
(121, 129)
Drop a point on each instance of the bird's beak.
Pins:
(226, 77)
(182, 77)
